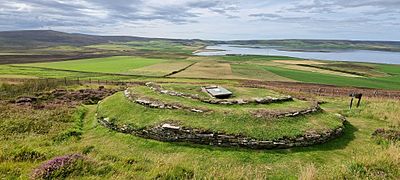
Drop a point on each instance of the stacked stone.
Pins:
(158, 104)
(265, 100)
(388, 134)
(159, 89)
(171, 132)
(274, 114)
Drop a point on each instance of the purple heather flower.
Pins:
(46, 169)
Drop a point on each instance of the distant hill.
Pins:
(323, 45)
(47, 38)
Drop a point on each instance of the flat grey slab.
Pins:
(218, 91)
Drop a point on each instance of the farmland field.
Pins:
(269, 68)
(162, 69)
(118, 64)
(208, 69)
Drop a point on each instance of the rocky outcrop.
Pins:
(391, 135)
(260, 100)
(265, 113)
(151, 103)
(25, 100)
(173, 132)
(65, 97)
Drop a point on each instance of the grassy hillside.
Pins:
(46, 38)
(31, 137)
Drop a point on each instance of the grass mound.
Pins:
(233, 119)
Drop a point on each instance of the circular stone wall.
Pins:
(149, 113)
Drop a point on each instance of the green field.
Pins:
(392, 82)
(265, 68)
(117, 64)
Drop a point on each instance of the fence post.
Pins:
(65, 81)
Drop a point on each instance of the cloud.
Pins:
(205, 18)
(265, 15)
(331, 6)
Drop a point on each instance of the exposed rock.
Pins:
(170, 132)
(392, 135)
(264, 113)
(25, 99)
(158, 104)
(169, 126)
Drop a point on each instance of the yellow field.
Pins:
(296, 65)
(161, 69)
(298, 62)
(209, 69)
(318, 70)
(256, 73)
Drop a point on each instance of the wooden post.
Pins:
(65, 81)
(359, 100)
(357, 96)
(351, 102)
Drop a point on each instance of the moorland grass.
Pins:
(149, 46)
(355, 155)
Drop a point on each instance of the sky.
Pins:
(210, 19)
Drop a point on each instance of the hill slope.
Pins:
(47, 38)
(323, 45)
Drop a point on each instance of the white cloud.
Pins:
(209, 19)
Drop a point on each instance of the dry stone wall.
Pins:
(265, 113)
(173, 132)
(260, 100)
(158, 104)
(262, 113)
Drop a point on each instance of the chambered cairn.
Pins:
(226, 116)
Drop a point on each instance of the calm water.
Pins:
(355, 56)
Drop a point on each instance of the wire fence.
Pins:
(32, 86)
